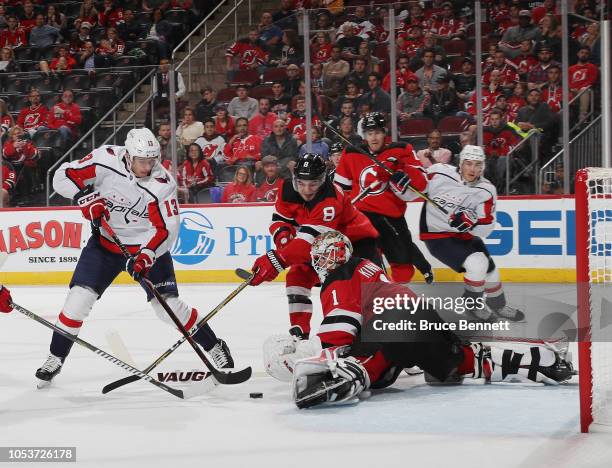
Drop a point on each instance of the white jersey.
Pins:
(448, 188)
(212, 148)
(143, 211)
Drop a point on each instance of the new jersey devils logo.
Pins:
(367, 176)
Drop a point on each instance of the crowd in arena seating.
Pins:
(260, 115)
(62, 66)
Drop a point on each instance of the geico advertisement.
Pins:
(537, 233)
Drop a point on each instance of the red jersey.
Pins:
(6, 121)
(488, 101)
(447, 27)
(514, 104)
(553, 96)
(33, 117)
(70, 63)
(330, 209)
(238, 193)
(321, 54)
(13, 39)
(357, 171)
(499, 141)
(268, 192)
(508, 76)
(226, 131)
(581, 76)
(112, 19)
(8, 177)
(200, 174)
(71, 117)
(21, 152)
(524, 63)
(261, 125)
(401, 79)
(27, 24)
(243, 148)
(250, 54)
(297, 125)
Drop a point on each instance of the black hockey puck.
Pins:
(256, 395)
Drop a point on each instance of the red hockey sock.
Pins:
(402, 273)
(467, 366)
(302, 319)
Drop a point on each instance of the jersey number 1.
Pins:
(171, 210)
(335, 297)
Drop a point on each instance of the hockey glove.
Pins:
(92, 204)
(283, 236)
(140, 265)
(267, 267)
(463, 220)
(384, 173)
(399, 182)
(5, 300)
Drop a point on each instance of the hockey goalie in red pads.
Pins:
(307, 206)
(336, 366)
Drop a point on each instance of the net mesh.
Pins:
(599, 252)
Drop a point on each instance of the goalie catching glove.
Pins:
(328, 379)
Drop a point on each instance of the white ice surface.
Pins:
(410, 424)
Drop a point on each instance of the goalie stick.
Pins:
(237, 377)
(224, 378)
(380, 164)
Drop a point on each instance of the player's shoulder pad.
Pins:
(485, 184)
(342, 273)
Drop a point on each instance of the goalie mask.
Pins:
(329, 251)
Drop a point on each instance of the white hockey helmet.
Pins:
(141, 143)
(472, 153)
(329, 251)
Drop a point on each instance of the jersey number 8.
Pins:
(329, 213)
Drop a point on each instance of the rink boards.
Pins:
(534, 241)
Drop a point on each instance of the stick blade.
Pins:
(120, 383)
(243, 274)
(232, 378)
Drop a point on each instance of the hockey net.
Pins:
(594, 281)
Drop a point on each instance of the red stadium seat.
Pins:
(455, 65)
(416, 127)
(261, 91)
(452, 125)
(486, 29)
(245, 77)
(226, 94)
(274, 74)
(455, 47)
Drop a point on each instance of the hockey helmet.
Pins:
(141, 143)
(310, 166)
(329, 251)
(472, 153)
(374, 121)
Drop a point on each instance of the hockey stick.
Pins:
(224, 378)
(237, 377)
(364, 193)
(380, 164)
(109, 357)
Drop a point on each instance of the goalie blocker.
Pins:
(336, 366)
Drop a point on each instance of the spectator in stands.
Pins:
(80, 36)
(285, 18)
(489, 94)
(364, 110)
(13, 36)
(129, 29)
(514, 35)
(161, 90)
(412, 103)
(351, 93)
(553, 181)
(434, 153)
(88, 13)
(291, 84)
(516, 101)
(320, 49)
(538, 75)
(8, 182)
(429, 73)
(6, 119)
(270, 187)
(347, 130)
(34, 117)
(27, 19)
(281, 144)
(243, 148)
(582, 76)
(591, 37)
(446, 26)
(506, 68)
(7, 61)
(56, 18)
(23, 155)
(67, 61)
(280, 103)
(402, 73)
(347, 109)
(316, 76)
(359, 74)
(212, 144)
(116, 43)
(429, 42)
(224, 123)
(242, 105)
(539, 115)
(261, 123)
(205, 109)
(65, 116)
(297, 120)
(548, 7)
(324, 22)
(189, 130)
(111, 15)
(525, 60)
(250, 52)
(442, 102)
(335, 155)
(2, 17)
(349, 42)
(160, 31)
(269, 33)
(499, 139)
(194, 175)
(318, 145)
(334, 72)
(43, 35)
(163, 136)
(379, 100)
(241, 190)
(465, 81)
(88, 59)
(288, 51)
(552, 91)
(548, 33)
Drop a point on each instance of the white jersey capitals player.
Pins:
(130, 189)
(456, 240)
